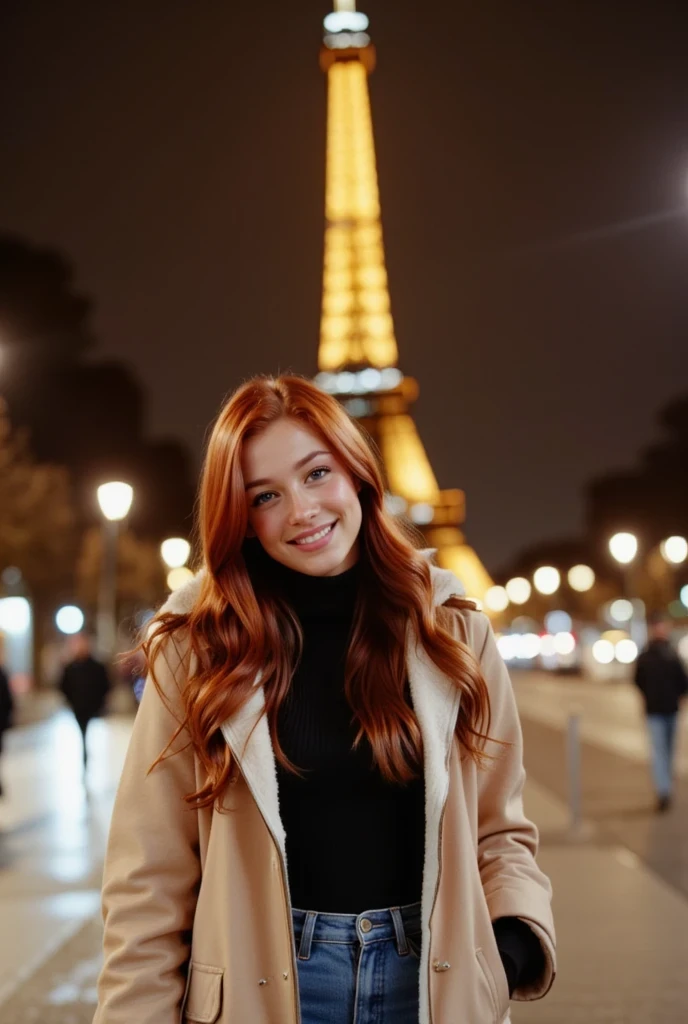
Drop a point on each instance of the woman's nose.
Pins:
(303, 509)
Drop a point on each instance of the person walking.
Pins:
(320, 816)
(662, 679)
(6, 702)
(85, 684)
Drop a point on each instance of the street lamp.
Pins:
(581, 578)
(674, 550)
(69, 619)
(546, 579)
(175, 552)
(496, 599)
(518, 590)
(115, 500)
(623, 547)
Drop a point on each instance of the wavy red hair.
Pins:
(237, 628)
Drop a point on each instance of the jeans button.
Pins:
(366, 925)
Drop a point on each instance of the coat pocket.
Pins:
(204, 993)
(497, 986)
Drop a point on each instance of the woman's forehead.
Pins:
(279, 447)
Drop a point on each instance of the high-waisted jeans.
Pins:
(358, 969)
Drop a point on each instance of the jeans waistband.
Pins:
(370, 926)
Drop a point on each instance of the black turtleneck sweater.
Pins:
(354, 841)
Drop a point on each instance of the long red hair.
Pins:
(237, 628)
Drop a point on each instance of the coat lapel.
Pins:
(248, 737)
(436, 703)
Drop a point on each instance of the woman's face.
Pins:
(302, 503)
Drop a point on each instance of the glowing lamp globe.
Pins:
(674, 550)
(176, 578)
(547, 579)
(623, 547)
(175, 552)
(496, 599)
(69, 619)
(115, 500)
(518, 590)
(581, 578)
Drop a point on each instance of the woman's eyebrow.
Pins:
(298, 465)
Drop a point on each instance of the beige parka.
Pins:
(196, 902)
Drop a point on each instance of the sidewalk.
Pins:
(621, 922)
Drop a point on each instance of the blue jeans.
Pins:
(662, 734)
(358, 969)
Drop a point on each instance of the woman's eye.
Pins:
(319, 473)
(260, 499)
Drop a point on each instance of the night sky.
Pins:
(533, 162)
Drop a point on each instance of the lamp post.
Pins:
(623, 548)
(115, 500)
(581, 578)
(674, 551)
(175, 553)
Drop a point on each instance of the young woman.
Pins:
(332, 829)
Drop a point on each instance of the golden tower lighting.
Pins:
(358, 354)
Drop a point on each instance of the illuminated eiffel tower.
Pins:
(358, 354)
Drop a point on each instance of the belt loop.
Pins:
(307, 935)
(402, 944)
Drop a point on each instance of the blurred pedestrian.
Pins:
(662, 679)
(85, 684)
(6, 701)
(321, 806)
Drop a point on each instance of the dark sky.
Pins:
(175, 150)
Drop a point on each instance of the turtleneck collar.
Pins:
(313, 597)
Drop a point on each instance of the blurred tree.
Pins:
(87, 416)
(42, 317)
(140, 574)
(38, 531)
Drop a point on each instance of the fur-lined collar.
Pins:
(444, 585)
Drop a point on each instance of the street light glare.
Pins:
(176, 578)
(623, 547)
(175, 552)
(626, 652)
(496, 599)
(621, 610)
(581, 578)
(115, 500)
(69, 619)
(547, 579)
(674, 550)
(518, 590)
(603, 652)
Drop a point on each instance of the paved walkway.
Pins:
(620, 895)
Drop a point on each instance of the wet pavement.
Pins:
(621, 885)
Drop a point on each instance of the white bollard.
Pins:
(573, 760)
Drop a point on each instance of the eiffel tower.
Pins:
(358, 356)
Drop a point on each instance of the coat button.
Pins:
(285, 975)
(263, 981)
(440, 965)
(366, 925)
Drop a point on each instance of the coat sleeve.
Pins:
(152, 866)
(513, 883)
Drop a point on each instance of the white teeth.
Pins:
(315, 536)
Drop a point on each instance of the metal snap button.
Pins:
(440, 965)
(366, 925)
